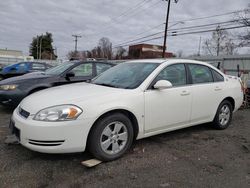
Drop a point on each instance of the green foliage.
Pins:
(41, 47)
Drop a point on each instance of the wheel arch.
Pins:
(33, 90)
(127, 113)
(231, 100)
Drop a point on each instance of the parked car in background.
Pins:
(21, 68)
(13, 90)
(132, 100)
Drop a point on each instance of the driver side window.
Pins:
(176, 74)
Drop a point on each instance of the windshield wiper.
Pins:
(108, 85)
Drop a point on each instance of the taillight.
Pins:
(242, 86)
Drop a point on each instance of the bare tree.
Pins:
(220, 43)
(106, 47)
(120, 53)
(244, 18)
(79, 55)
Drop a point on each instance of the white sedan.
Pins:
(132, 100)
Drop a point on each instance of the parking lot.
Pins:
(194, 157)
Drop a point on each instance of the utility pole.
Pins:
(166, 28)
(76, 38)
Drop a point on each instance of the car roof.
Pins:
(82, 62)
(166, 61)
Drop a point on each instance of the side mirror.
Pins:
(162, 84)
(70, 74)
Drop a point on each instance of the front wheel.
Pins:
(111, 137)
(223, 116)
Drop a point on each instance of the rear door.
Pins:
(168, 108)
(207, 87)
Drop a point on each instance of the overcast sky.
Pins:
(20, 20)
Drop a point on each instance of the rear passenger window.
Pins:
(200, 73)
(176, 74)
(217, 76)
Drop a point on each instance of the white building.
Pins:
(13, 56)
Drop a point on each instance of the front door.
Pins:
(168, 108)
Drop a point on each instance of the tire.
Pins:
(111, 137)
(223, 115)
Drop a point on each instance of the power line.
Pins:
(176, 34)
(211, 16)
(183, 28)
(113, 20)
(186, 20)
(205, 31)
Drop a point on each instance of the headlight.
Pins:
(58, 113)
(8, 87)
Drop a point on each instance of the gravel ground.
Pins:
(194, 157)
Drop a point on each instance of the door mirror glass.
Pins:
(70, 74)
(163, 84)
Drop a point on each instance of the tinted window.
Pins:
(176, 74)
(38, 66)
(200, 74)
(101, 67)
(83, 70)
(217, 76)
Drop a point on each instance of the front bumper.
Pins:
(11, 97)
(52, 137)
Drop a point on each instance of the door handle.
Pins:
(185, 93)
(217, 88)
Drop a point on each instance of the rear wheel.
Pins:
(223, 116)
(111, 137)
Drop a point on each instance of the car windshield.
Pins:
(125, 75)
(59, 68)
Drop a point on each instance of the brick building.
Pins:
(144, 51)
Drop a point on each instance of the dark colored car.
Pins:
(21, 68)
(13, 90)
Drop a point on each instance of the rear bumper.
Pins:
(238, 101)
(11, 98)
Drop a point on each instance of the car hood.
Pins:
(29, 76)
(68, 94)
